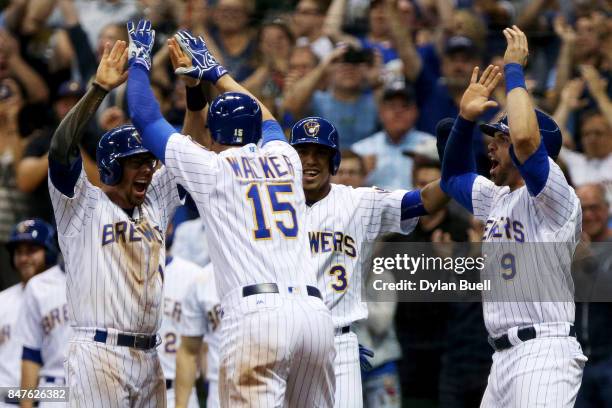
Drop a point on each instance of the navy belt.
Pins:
(273, 288)
(137, 341)
(169, 384)
(524, 334)
(342, 330)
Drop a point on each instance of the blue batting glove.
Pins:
(205, 66)
(142, 38)
(364, 354)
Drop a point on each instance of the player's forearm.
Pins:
(194, 123)
(65, 141)
(227, 84)
(522, 121)
(434, 199)
(145, 113)
(35, 87)
(186, 371)
(297, 98)
(29, 379)
(30, 172)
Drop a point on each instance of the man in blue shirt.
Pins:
(383, 151)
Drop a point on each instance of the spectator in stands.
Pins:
(594, 164)
(275, 42)
(308, 26)
(386, 164)
(13, 203)
(234, 37)
(594, 318)
(32, 169)
(352, 170)
(349, 103)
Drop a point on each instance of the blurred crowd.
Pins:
(385, 72)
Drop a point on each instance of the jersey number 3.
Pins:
(262, 230)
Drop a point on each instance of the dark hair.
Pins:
(348, 154)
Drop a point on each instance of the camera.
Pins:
(357, 56)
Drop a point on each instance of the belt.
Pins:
(169, 384)
(14, 401)
(51, 379)
(342, 330)
(524, 334)
(137, 341)
(273, 288)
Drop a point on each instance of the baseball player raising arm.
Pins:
(32, 250)
(277, 334)
(537, 360)
(340, 220)
(112, 239)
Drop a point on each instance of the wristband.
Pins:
(514, 76)
(196, 101)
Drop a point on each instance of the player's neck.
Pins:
(516, 181)
(119, 199)
(313, 196)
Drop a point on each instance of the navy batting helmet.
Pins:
(315, 130)
(549, 130)
(34, 231)
(234, 119)
(117, 143)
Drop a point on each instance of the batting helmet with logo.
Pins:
(549, 130)
(117, 143)
(34, 231)
(234, 119)
(315, 130)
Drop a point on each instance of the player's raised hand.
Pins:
(517, 49)
(181, 60)
(142, 37)
(111, 70)
(204, 65)
(475, 100)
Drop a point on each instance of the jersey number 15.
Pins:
(262, 229)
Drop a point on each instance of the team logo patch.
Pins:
(312, 128)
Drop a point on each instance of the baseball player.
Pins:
(340, 219)
(44, 331)
(277, 334)
(32, 249)
(537, 360)
(201, 311)
(180, 276)
(112, 239)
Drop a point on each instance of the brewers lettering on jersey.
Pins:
(113, 244)
(537, 360)
(44, 330)
(31, 246)
(277, 335)
(340, 219)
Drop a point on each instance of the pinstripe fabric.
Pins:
(114, 270)
(11, 300)
(274, 346)
(276, 351)
(44, 323)
(546, 371)
(94, 380)
(338, 226)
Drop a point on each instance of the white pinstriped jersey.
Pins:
(201, 311)
(338, 225)
(114, 263)
(252, 204)
(180, 276)
(11, 301)
(44, 323)
(535, 272)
